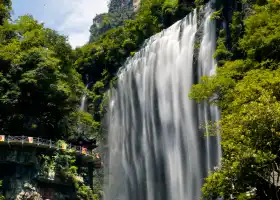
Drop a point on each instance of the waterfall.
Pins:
(81, 128)
(156, 150)
(83, 101)
(207, 67)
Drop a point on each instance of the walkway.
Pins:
(43, 143)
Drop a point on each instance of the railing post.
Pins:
(37, 141)
(22, 137)
(8, 139)
(50, 143)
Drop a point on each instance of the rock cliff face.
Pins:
(21, 177)
(119, 4)
(14, 177)
(119, 11)
(43, 173)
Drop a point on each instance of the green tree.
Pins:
(39, 88)
(5, 8)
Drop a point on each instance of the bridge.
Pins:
(37, 142)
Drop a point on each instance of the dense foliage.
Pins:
(247, 91)
(63, 163)
(40, 89)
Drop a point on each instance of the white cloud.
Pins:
(69, 17)
(78, 15)
(78, 39)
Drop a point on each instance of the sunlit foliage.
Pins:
(246, 88)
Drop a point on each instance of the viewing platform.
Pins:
(49, 146)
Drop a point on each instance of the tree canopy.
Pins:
(40, 90)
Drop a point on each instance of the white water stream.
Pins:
(156, 151)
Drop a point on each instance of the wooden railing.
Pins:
(45, 143)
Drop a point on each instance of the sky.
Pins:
(72, 18)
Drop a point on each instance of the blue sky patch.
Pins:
(69, 17)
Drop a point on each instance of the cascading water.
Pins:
(156, 151)
(83, 101)
(81, 128)
(207, 67)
